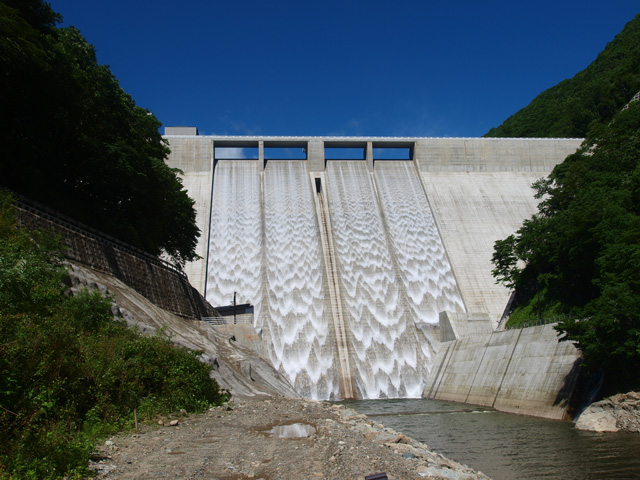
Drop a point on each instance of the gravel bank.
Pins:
(235, 443)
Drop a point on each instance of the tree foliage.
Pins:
(69, 371)
(591, 96)
(580, 254)
(75, 141)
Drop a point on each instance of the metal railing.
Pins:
(214, 320)
(240, 320)
(163, 283)
(534, 322)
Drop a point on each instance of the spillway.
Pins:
(344, 289)
(388, 287)
(296, 331)
(236, 245)
(423, 266)
(265, 246)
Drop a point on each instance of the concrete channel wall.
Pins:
(525, 371)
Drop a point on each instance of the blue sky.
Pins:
(375, 68)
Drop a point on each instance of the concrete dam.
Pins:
(349, 249)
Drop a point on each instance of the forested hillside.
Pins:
(578, 259)
(593, 95)
(75, 141)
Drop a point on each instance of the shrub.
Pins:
(71, 373)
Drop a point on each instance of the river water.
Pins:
(506, 446)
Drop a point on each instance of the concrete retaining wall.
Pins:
(244, 335)
(158, 281)
(524, 371)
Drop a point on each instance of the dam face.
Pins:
(348, 263)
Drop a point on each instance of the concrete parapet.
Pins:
(492, 154)
(524, 371)
(430, 154)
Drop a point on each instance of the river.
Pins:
(506, 446)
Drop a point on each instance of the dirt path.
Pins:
(235, 444)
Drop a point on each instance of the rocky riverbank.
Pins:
(619, 413)
(235, 443)
(232, 444)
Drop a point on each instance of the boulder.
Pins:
(614, 414)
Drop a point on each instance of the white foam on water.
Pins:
(235, 243)
(423, 266)
(296, 333)
(389, 361)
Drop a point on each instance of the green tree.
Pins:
(75, 141)
(580, 254)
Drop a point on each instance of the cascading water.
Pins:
(390, 272)
(235, 245)
(422, 263)
(296, 332)
(385, 343)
